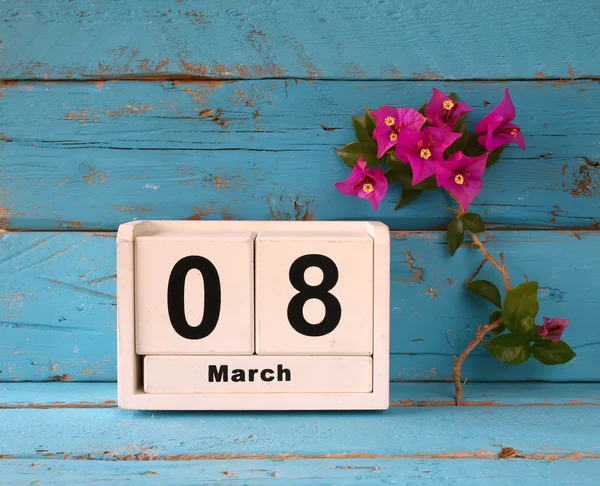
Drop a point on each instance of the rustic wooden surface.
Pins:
(391, 39)
(58, 318)
(264, 150)
(545, 437)
(311, 472)
(112, 111)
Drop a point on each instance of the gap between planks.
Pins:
(503, 453)
(190, 78)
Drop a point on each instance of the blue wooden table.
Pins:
(112, 111)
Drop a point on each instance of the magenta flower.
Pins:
(391, 122)
(461, 176)
(443, 112)
(365, 183)
(424, 150)
(553, 328)
(497, 129)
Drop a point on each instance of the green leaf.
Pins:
(350, 154)
(473, 222)
(427, 184)
(495, 155)
(408, 196)
(402, 172)
(453, 96)
(455, 235)
(363, 127)
(494, 316)
(360, 129)
(405, 176)
(486, 290)
(459, 144)
(520, 308)
(369, 123)
(510, 348)
(472, 147)
(549, 353)
(422, 109)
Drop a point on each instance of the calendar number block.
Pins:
(314, 293)
(264, 374)
(194, 293)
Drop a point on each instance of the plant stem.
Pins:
(481, 330)
(499, 266)
(456, 372)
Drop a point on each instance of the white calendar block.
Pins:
(189, 337)
(194, 293)
(314, 293)
(258, 374)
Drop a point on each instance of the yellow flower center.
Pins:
(448, 104)
(514, 132)
(390, 120)
(393, 137)
(425, 153)
(368, 188)
(459, 179)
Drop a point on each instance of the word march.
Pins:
(239, 375)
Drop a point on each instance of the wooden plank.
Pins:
(337, 39)
(313, 472)
(264, 150)
(58, 312)
(549, 433)
(433, 394)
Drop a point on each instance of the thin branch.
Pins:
(499, 266)
(456, 372)
(476, 272)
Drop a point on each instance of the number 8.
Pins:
(333, 309)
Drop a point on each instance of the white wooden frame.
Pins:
(131, 394)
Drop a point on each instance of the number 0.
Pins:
(176, 297)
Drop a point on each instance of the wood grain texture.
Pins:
(308, 38)
(312, 472)
(433, 394)
(58, 315)
(550, 433)
(93, 155)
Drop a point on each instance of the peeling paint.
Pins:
(417, 272)
(129, 110)
(201, 213)
(82, 116)
(94, 176)
(429, 74)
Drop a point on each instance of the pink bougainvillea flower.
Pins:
(553, 328)
(443, 112)
(496, 128)
(461, 177)
(365, 183)
(424, 150)
(392, 123)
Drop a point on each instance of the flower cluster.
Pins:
(427, 149)
(432, 148)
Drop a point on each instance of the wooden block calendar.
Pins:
(253, 315)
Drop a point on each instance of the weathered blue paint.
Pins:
(264, 150)
(308, 38)
(402, 432)
(58, 318)
(311, 472)
(92, 155)
(406, 394)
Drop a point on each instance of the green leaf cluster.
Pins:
(517, 338)
(455, 234)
